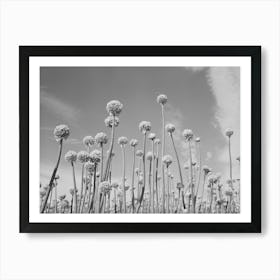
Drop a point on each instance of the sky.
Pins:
(203, 99)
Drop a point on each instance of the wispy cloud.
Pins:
(176, 117)
(225, 86)
(57, 107)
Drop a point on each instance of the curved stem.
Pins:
(107, 165)
(52, 178)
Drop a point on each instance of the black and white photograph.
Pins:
(140, 135)
(139, 140)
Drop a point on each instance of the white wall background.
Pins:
(139, 256)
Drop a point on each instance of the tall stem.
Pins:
(123, 180)
(101, 162)
(144, 172)
(82, 188)
(55, 197)
(75, 188)
(52, 178)
(132, 181)
(93, 193)
(230, 161)
(150, 186)
(168, 189)
(107, 165)
(180, 170)
(191, 177)
(162, 155)
(156, 179)
(153, 177)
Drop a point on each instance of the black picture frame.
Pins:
(25, 52)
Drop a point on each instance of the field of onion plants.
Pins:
(148, 186)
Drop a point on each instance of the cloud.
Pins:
(57, 107)
(176, 117)
(209, 156)
(225, 86)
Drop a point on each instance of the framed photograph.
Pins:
(140, 139)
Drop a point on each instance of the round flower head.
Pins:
(71, 156)
(228, 132)
(42, 193)
(61, 197)
(152, 136)
(170, 128)
(122, 141)
(228, 181)
(114, 107)
(189, 193)
(162, 99)
(228, 192)
(145, 126)
(114, 185)
(133, 142)
(212, 178)
(167, 159)
(139, 153)
(149, 156)
(101, 138)
(95, 156)
(71, 191)
(103, 186)
(61, 132)
(126, 188)
(197, 139)
(188, 134)
(88, 141)
(180, 186)
(206, 169)
(83, 156)
(89, 166)
(157, 141)
(110, 120)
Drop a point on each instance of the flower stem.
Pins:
(52, 178)
(75, 188)
(162, 155)
(123, 180)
